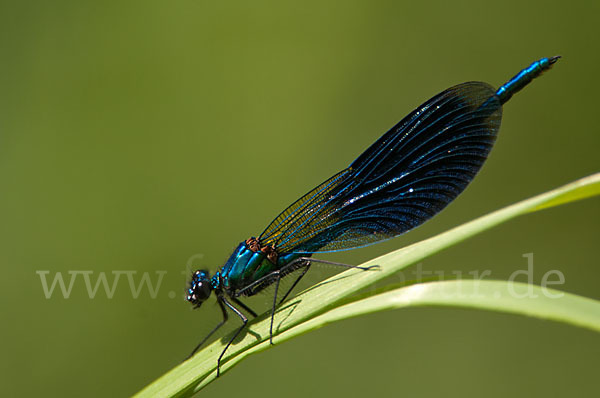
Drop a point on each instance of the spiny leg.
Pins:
(304, 271)
(244, 306)
(316, 260)
(225, 316)
(308, 261)
(244, 320)
(249, 289)
(277, 275)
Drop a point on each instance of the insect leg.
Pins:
(304, 270)
(249, 289)
(293, 263)
(244, 320)
(277, 275)
(307, 267)
(244, 306)
(225, 316)
(316, 260)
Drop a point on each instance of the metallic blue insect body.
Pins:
(406, 177)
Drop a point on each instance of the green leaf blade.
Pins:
(500, 296)
(200, 370)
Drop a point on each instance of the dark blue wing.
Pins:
(407, 176)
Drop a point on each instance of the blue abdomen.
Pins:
(524, 77)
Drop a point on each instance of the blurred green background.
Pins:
(137, 134)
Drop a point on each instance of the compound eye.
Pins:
(200, 287)
(203, 290)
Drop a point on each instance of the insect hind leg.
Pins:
(306, 266)
(316, 260)
(305, 263)
(305, 269)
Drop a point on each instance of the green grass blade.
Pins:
(509, 297)
(195, 373)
